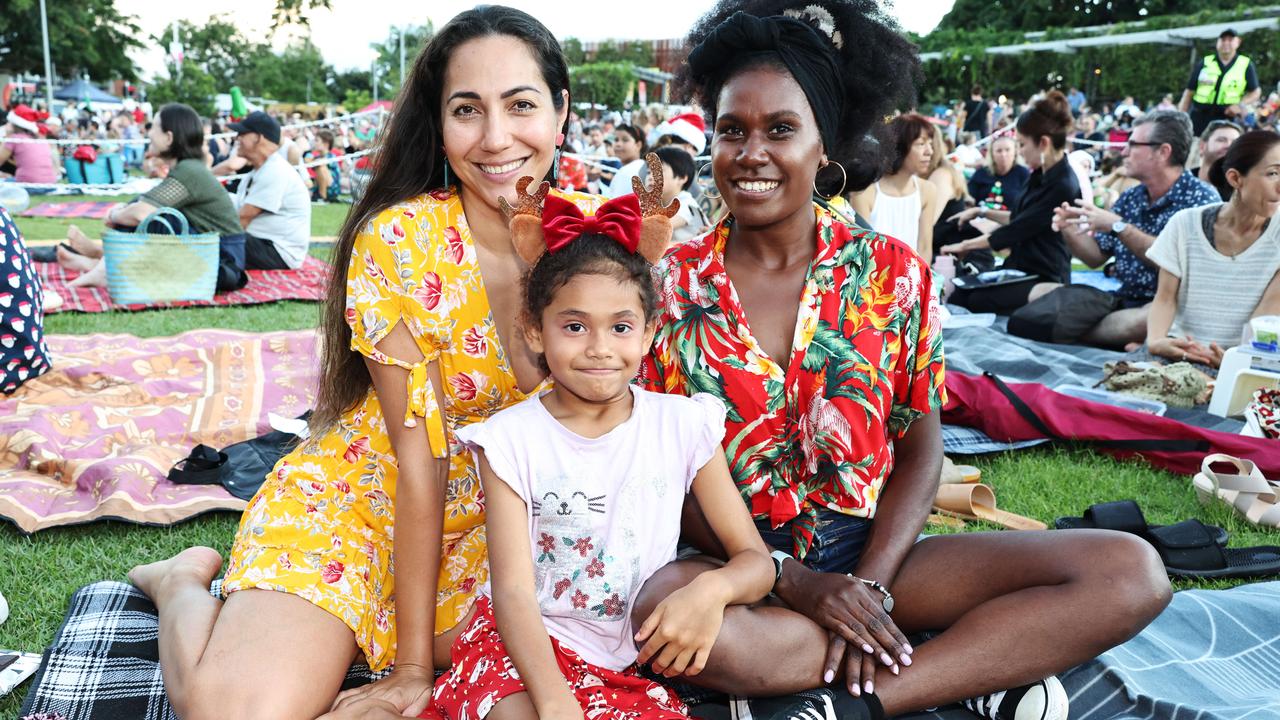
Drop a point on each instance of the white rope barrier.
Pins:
(144, 141)
(133, 185)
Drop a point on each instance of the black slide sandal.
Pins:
(1125, 516)
(1188, 550)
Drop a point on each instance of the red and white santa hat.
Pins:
(26, 118)
(689, 127)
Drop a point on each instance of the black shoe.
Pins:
(820, 704)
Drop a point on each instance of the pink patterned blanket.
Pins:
(95, 437)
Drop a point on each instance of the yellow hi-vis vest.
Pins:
(1217, 88)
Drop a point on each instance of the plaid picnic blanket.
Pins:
(305, 283)
(78, 209)
(1210, 656)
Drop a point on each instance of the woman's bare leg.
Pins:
(95, 276)
(1013, 607)
(259, 654)
(75, 261)
(83, 244)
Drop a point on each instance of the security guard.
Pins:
(1223, 84)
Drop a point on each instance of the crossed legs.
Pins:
(259, 654)
(1013, 607)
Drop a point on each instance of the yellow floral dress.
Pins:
(321, 526)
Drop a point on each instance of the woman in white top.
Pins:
(1220, 264)
(901, 205)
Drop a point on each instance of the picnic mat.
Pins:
(1209, 656)
(973, 350)
(95, 437)
(305, 283)
(82, 209)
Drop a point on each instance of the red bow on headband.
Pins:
(619, 219)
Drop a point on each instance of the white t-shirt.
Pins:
(604, 513)
(1216, 293)
(286, 208)
(621, 184)
(696, 222)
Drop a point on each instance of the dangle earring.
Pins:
(707, 183)
(555, 166)
(844, 180)
(446, 172)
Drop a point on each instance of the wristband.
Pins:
(887, 602)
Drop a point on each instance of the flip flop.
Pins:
(1252, 496)
(1123, 516)
(953, 473)
(949, 521)
(978, 502)
(1188, 550)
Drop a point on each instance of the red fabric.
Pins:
(482, 674)
(619, 219)
(976, 402)
(306, 283)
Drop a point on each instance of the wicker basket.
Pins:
(148, 268)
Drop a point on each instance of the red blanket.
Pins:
(977, 402)
(80, 209)
(305, 283)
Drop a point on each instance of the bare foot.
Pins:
(82, 243)
(197, 565)
(94, 277)
(72, 261)
(1133, 346)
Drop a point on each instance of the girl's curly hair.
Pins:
(880, 69)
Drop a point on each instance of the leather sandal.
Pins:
(1252, 496)
(978, 502)
(1124, 516)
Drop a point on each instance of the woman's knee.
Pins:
(668, 579)
(1130, 580)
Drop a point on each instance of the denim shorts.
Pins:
(837, 545)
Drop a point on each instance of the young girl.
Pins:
(584, 486)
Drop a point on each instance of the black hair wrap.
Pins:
(803, 49)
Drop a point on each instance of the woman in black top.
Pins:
(1034, 246)
(1000, 183)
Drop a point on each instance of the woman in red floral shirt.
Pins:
(833, 433)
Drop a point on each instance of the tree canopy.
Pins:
(1041, 14)
(85, 36)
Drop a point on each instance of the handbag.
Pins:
(241, 468)
(152, 267)
(1064, 315)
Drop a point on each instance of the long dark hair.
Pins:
(187, 129)
(408, 163)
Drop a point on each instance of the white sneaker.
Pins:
(1041, 700)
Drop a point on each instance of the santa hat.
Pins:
(689, 127)
(26, 118)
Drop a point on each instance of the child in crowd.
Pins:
(584, 485)
(677, 175)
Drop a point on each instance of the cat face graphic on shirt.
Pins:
(576, 504)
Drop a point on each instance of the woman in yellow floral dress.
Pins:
(419, 340)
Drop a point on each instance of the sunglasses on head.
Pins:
(1219, 124)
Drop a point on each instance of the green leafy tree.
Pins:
(607, 83)
(350, 83)
(1022, 15)
(388, 50)
(193, 86)
(217, 48)
(85, 36)
(573, 52)
(356, 99)
(285, 76)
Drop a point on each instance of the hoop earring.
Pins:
(844, 180)
(698, 178)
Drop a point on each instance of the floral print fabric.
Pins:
(866, 361)
(321, 526)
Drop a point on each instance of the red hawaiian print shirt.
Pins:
(866, 361)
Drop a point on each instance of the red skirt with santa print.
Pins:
(482, 674)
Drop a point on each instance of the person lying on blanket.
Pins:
(177, 138)
(833, 434)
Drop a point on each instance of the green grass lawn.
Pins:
(38, 573)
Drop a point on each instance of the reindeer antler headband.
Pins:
(639, 222)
